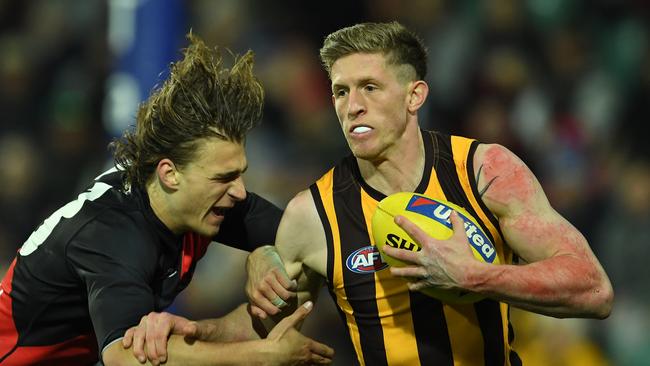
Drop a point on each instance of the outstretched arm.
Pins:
(301, 247)
(212, 345)
(561, 277)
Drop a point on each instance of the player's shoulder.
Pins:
(301, 212)
(114, 214)
(301, 203)
(506, 183)
(116, 236)
(301, 232)
(496, 156)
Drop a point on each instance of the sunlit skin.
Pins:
(197, 196)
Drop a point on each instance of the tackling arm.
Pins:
(283, 346)
(301, 245)
(183, 352)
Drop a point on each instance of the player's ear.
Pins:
(167, 173)
(417, 95)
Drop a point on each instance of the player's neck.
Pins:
(401, 170)
(160, 206)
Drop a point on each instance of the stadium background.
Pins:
(565, 84)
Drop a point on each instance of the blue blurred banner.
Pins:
(144, 37)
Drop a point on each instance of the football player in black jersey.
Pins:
(130, 243)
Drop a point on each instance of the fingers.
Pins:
(319, 360)
(321, 351)
(412, 229)
(402, 254)
(409, 271)
(268, 286)
(150, 346)
(458, 224)
(138, 341)
(156, 341)
(128, 338)
(300, 314)
(291, 321)
(419, 285)
(159, 328)
(268, 297)
(264, 305)
(191, 330)
(258, 312)
(200, 331)
(149, 338)
(282, 284)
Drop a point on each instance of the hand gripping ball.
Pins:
(432, 216)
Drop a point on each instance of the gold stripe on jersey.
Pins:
(400, 327)
(434, 190)
(395, 315)
(464, 336)
(461, 147)
(325, 188)
(505, 321)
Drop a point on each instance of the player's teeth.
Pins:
(361, 129)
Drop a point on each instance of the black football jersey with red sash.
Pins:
(388, 324)
(101, 262)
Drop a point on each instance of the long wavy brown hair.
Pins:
(201, 98)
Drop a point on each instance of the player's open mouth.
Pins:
(360, 129)
(219, 211)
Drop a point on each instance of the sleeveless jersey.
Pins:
(388, 324)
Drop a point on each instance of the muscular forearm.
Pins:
(182, 352)
(209, 353)
(238, 325)
(561, 286)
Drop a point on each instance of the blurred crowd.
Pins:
(563, 83)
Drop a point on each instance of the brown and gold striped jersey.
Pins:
(388, 324)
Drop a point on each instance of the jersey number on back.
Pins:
(69, 210)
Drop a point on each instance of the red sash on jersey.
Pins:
(194, 247)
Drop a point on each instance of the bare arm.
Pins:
(562, 277)
(182, 352)
(302, 249)
(213, 342)
(301, 246)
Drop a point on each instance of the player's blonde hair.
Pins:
(200, 99)
(400, 45)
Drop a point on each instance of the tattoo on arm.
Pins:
(478, 180)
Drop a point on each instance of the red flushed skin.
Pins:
(511, 179)
(561, 276)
